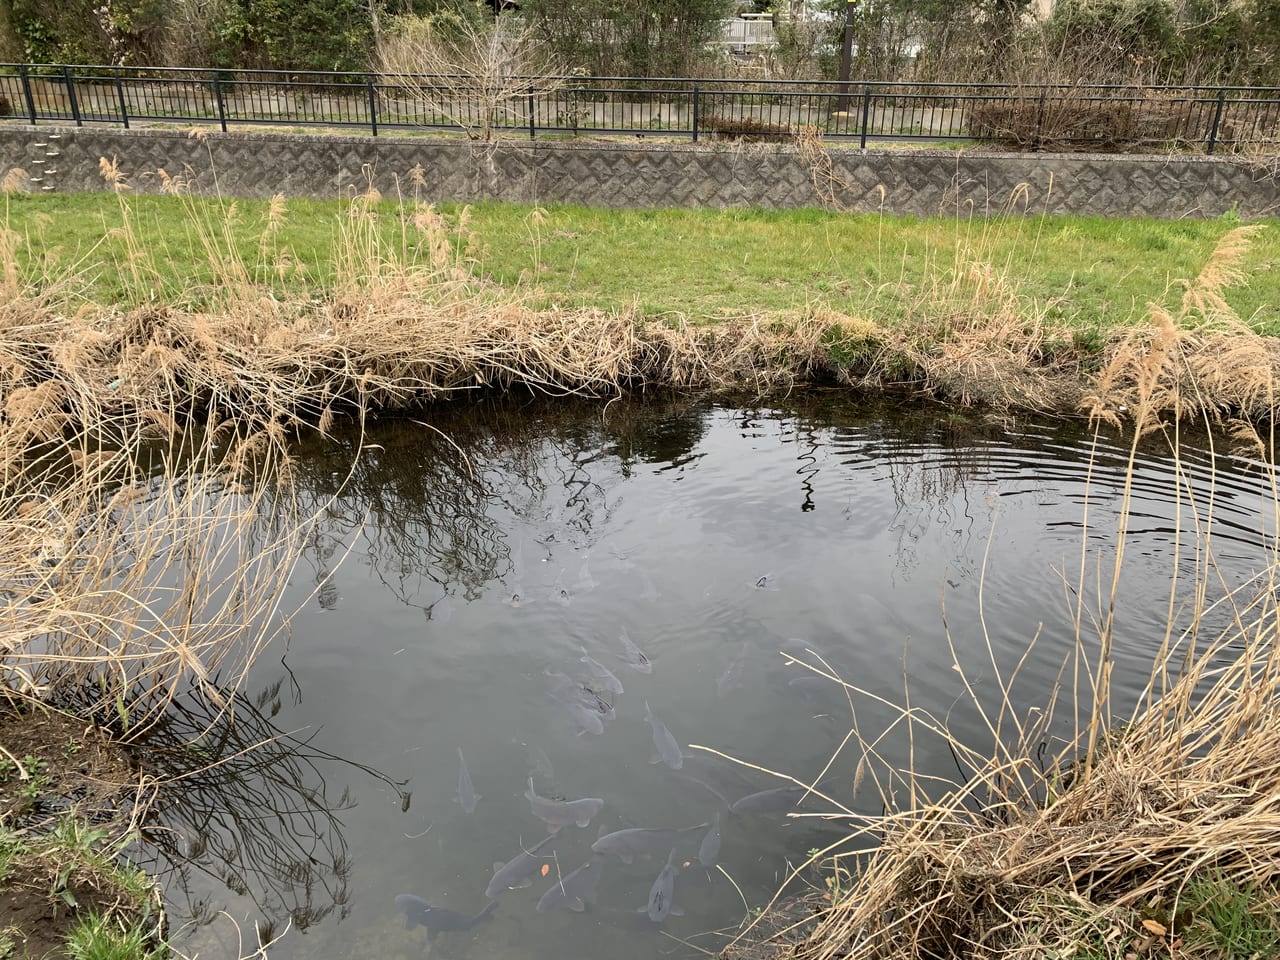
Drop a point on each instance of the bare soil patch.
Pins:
(66, 763)
(67, 793)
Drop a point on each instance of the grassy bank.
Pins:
(1086, 272)
(305, 310)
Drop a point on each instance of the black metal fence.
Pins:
(1026, 116)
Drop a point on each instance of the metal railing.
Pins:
(1026, 116)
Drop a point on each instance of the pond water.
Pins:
(462, 568)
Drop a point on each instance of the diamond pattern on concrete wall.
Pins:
(633, 174)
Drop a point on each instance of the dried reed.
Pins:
(1090, 849)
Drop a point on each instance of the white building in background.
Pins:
(748, 33)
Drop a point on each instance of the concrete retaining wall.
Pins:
(638, 173)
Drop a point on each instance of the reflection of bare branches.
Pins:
(246, 803)
(429, 502)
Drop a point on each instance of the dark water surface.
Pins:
(451, 574)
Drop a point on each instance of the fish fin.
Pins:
(677, 911)
(654, 758)
(497, 865)
(577, 905)
(553, 828)
(526, 882)
(583, 823)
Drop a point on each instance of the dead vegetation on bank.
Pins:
(408, 321)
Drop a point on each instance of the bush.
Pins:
(293, 35)
(1078, 119)
(746, 129)
(659, 38)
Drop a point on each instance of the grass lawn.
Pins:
(702, 264)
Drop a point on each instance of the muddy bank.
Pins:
(70, 799)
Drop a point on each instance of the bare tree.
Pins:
(476, 73)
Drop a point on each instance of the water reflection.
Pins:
(463, 571)
(246, 810)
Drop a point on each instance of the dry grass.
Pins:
(1092, 847)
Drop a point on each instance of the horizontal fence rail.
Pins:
(1030, 117)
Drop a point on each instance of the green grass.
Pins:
(98, 938)
(1213, 919)
(703, 264)
(85, 896)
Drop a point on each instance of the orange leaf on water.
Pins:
(546, 868)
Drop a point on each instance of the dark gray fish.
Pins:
(418, 913)
(570, 691)
(574, 891)
(519, 871)
(660, 905)
(586, 708)
(650, 593)
(602, 674)
(559, 593)
(628, 844)
(585, 719)
(666, 748)
(632, 657)
(731, 679)
(709, 849)
(560, 813)
(802, 650)
(811, 684)
(467, 795)
(540, 763)
(585, 580)
(766, 802)
(710, 788)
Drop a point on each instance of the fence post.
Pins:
(533, 128)
(217, 99)
(1035, 144)
(27, 94)
(695, 111)
(866, 113)
(71, 96)
(1217, 119)
(124, 108)
(373, 105)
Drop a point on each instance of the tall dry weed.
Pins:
(1046, 846)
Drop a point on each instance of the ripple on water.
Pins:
(892, 541)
